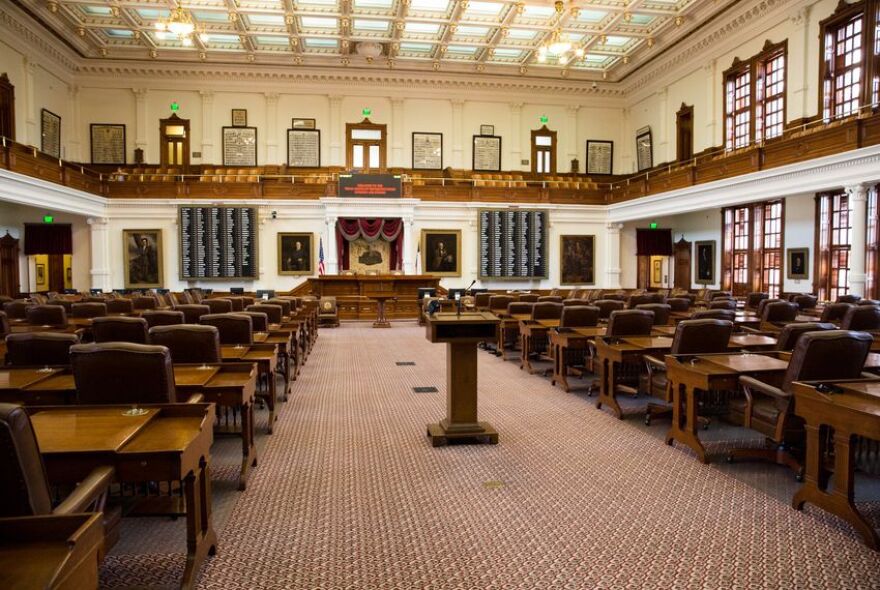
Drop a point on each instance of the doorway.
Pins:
(682, 257)
(543, 151)
(174, 142)
(365, 146)
(684, 132)
(9, 272)
(48, 248)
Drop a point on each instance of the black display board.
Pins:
(370, 185)
(513, 244)
(218, 243)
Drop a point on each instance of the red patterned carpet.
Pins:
(350, 494)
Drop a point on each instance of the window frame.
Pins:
(826, 248)
(754, 253)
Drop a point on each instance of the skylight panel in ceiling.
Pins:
(373, 3)
(119, 33)
(507, 53)
(363, 24)
(320, 43)
(152, 14)
(616, 41)
(591, 16)
(461, 50)
(521, 34)
(471, 31)
(221, 39)
(210, 16)
(429, 5)
(316, 3)
(266, 20)
(483, 9)
(422, 28)
(533, 12)
(274, 40)
(97, 10)
(574, 37)
(318, 22)
(641, 19)
(416, 48)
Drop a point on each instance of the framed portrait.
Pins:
(577, 260)
(798, 263)
(441, 252)
(107, 143)
(41, 273)
(296, 253)
(239, 117)
(600, 156)
(303, 123)
(486, 155)
(487, 129)
(427, 151)
(239, 146)
(50, 133)
(644, 149)
(142, 251)
(704, 259)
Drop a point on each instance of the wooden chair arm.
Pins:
(90, 493)
(654, 363)
(195, 398)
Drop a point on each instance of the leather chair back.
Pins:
(192, 312)
(16, 309)
(848, 299)
(482, 299)
(91, 310)
(827, 355)
(287, 305)
(550, 298)
(630, 322)
(188, 343)
(701, 336)
(235, 328)
(762, 304)
(39, 348)
(4, 324)
(868, 302)
(94, 299)
(247, 300)
(780, 311)
(636, 300)
(722, 304)
(607, 306)
(835, 312)
(194, 296)
(714, 314)
(259, 320)
(791, 333)
(753, 299)
(120, 329)
(805, 301)
(614, 296)
(65, 303)
(218, 305)
(122, 373)
(275, 312)
(38, 299)
(861, 318)
(661, 312)
(678, 303)
(579, 316)
(163, 317)
(520, 307)
(547, 310)
(144, 302)
(499, 303)
(529, 297)
(46, 315)
(572, 301)
(712, 294)
(183, 298)
(24, 490)
(237, 303)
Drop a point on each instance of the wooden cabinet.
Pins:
(9, 266)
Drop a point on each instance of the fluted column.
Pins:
(663, 145)
(408, 251)
(74, 133)
(799, 61)
(458, 134)
(100, 254)
(272, 128)
(332, 258)
(516, 135)
(337, 130)
(207, 126)
(32, 126)
(858, 217)
(397, 139)
(612, 255)
(140, 124)
(571, 146)
(709, 70)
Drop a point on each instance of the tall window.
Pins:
(872, 249)
(832, 273)
(752, 248)
(754, 98)
(770, 261)
(543, 151)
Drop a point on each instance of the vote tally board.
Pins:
(218, 243)
(513, 243)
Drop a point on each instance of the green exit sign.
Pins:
(653, 225)
(48, 219)
(175, 107)
(544, 119)
(367, 111)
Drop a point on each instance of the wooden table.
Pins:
(560, 341)
(688, 374)
(855, 411)
(16, 379)
(507, 324)
(266, 358)
(528, 331)
(381, 299)
(233, 352)
(615, 350)
(170, 442)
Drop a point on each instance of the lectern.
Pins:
(461, 333)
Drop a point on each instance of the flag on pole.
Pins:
(419, 258)
(321, 269)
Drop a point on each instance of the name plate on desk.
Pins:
(369, 185)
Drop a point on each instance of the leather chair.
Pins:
(579, 316)
(65, 303)
(768, 405)
(791, 333)
(550, 298)
(259, 320)
(235, 328)
(498, 303)
(195, 295)
(481, 300)
(806, 301)
(630, 322)
(90, 310)
(4, 325)
(529, 297)
(16, 310)
(39, 348)
(182, 298)
(706, 336)
(779, 312)
(46, 315)
(163, 317)
(608, 306)
(94, 299)
(120, 305)
(849, 299)
(661, 312)
(714, 314)
(678, 303)
(615, 296)
(120, 329)
(753, 299)
(192, 312)
(144, 302)
(868, 302)
(328, 312)
(835, 312)
(573, 301)
(188, 343)
(644, 299)
(864, 318)
(547, 310)
(237, 303)
(287, 305)
(511, 332)
(723, 303)
(247, 300)
(24, 487)
(218, 305)
(520, 308)
(759, 311)
(712, 294)
(274, 312)
(123, 373)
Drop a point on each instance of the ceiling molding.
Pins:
(59, 59)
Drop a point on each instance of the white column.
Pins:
(397, 133)
(626, 162)
(332, 259)
(663, 132)
(272, 128)
(337, 131)
(100, 247)
(74, 133)
(571, 147)
(32, 126)
(858, 217)
(709, 70)
(408, 251)
(458, 134)
(140, 123)
(516, 135)
(612, 255)
(207, 126)
(798, 61)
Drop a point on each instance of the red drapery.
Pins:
(44, 238)
(390, 230)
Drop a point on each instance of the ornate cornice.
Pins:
(56, 54)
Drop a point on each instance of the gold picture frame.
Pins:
(437, 258)
(293, 260)
(577, 260)
(142, 251)
(797, 263)
(704, 262)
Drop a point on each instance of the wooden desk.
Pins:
(854, 412)
(288, 359)
(51, 551)
(15, 379)
(688, 374)
(529, 330)
(381, 299)
(353, 292)
(233, 352)
(616, 350)
(171, 442)
(266, 358)
(561, 340)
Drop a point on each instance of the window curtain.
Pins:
(46, 238)
(390, 230)
(653, 242)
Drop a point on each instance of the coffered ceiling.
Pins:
(591, 39)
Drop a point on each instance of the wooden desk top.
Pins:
(751, 340)
(590, 332)
(746, 363)
(194, 375)
(87, 429)
(548, 323)
(871, 388)
(21, 378)
(233, 351)
(260, 337)
(649, 342)
(861, 398)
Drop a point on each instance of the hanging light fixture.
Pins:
(179, 24)
(556, 46)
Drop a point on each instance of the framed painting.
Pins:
(441, 252)
(239, 117)
(704, 259)
(487, 129)
(142, 251)
(577, 260)
(50, 133)
(644, 149)
(296, 253)
(798, 263)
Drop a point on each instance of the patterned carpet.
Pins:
(350, 494)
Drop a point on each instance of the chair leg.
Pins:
(779, 454)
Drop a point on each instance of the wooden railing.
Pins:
(799, 143)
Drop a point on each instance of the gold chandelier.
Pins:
(564, 51)
(178, 24)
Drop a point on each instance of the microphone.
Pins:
(468, 290)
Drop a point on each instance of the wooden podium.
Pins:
(461, 333)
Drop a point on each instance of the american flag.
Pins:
(321, 269)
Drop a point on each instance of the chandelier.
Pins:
(179, 24)
(564, 51)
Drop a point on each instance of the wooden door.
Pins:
(174, 142)
(684, 131)
(543, 151)
(9, 266)
(643, 277)
(365, 146)
(682, 257)
(7, 107)
(56, 272)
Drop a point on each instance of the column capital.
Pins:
(516, 106)
(613, 227)
(335, 98)
(801, 17)
(271, 96)
(709, 66)
(457, 102)
(97, 222)
(857, 192)
(140, 93)
(206, 94)
(572, 109)
(397, 101)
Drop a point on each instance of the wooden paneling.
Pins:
(831, 140)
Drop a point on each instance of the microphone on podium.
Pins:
(468, 290)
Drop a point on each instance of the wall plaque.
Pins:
(304, 148)
(239, 117)
(427, 151)
(644, 149)
(218, 243)
(487, 153)
(303, 123)
(50, 133)
(239, 146)
(600, 156)
(513, 243)
(108, 143)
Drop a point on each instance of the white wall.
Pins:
(800, 228)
